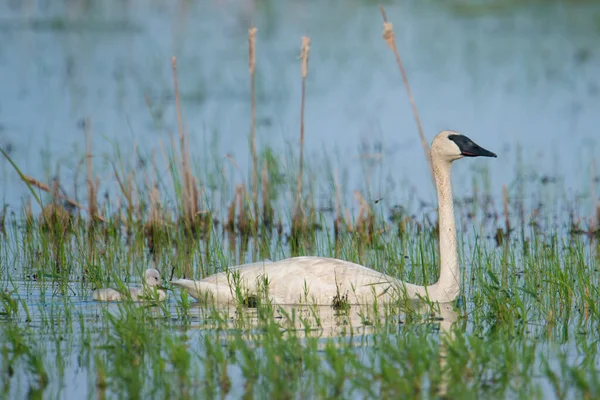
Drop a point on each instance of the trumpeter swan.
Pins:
(152, 282)
(318, 280)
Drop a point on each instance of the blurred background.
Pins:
(521, 78)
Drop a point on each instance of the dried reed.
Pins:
(298, 218)
(190, 199)
(243, 226)
(506, 213)
(338, 205)
(126, 191)
(154, 216)
(92, 187)
(54, 216)
(365, 221)
(230, 225)
(252, 68)
(390, 38)
(267, 206)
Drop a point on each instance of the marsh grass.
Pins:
(503, 334)
(522, 300)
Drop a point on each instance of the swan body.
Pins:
(150, 290)
(318, 280)
(300, 280)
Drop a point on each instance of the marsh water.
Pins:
(520, 78)
(511, 75)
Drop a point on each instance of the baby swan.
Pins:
(150, 290)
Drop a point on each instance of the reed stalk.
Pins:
(390, 38)
(42, 186)
(252, 68)
(230, 224)
(304, 53)
(267, 206)
(124, 191)
(154, 216)
(338, 206)
(506, 212)
(189, 205)
(92, 204)
(365, 220)
(242, 217)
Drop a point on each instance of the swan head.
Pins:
(450, 146)
(152, 278)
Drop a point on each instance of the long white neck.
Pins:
(448, 286)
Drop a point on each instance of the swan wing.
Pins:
(306, 280)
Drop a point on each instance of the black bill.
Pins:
(469, 148)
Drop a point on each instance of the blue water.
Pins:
(509, 76)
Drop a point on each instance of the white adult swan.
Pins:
(317, 280)
(152, 282)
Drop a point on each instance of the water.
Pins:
(508, 76)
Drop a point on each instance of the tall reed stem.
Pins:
(304, 72)
(390, 38)
(188, 198)
(252, 67)
(506, 214)
(92, 205)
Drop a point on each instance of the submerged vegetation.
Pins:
(527, 324)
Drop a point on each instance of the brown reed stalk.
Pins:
(93, 206)
(365, 221)
(252, 68)
(338, 205)
(348, 220)
(242, 216)
(28, 212)
(54, 214)
(154, 216)
(55, 191)
(550, 317)
(126, 190)
(267, 206)
(506, 214)
(390, 38)
(189, 208)
(46, 188)
(230, 225)
(304, 52)
(152, 225)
